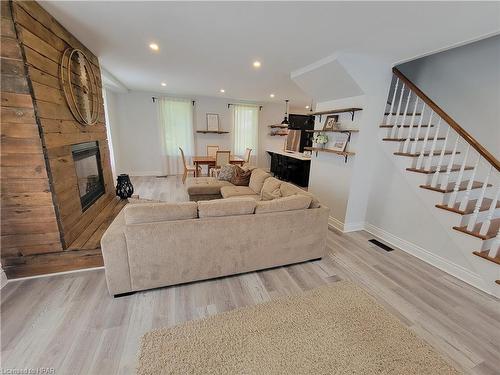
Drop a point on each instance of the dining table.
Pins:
(210, 161)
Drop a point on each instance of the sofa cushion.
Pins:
(288, 189)
(226, 207)
(241, 177)
(257, 179)
(154, 212)
(270, 189)
(235, 191)
(255, 197)
(293, 202)
(205, 185)
(227, 172)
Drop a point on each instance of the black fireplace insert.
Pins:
(88, 172)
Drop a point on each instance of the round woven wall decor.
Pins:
(80, 86)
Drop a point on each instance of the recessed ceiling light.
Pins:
(154, 46)
(222, 90)
(271, 95)
(163, 84)
(307, 107)
(256, 64)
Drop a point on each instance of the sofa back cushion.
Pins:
(293, 202)
(270, 189)
(257, 179)
(226, 207)
(288, 190)
(154, 212)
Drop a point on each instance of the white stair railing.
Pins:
(444, 163)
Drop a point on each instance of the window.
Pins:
(176, 120)
(246, 128)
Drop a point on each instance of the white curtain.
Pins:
(176, 120)
(245, 129)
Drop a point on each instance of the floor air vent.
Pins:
(381, 245)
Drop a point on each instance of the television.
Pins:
(292, 143)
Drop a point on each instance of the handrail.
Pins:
(453, 124)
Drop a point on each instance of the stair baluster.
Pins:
(465, 200)
(419, 127)
(494, 250)
(486, 224)
(435, 176)
(389, 118)
(391, 131)
(407, 141)
(472, 221)
(424, 144)
(428, 163)
(446, 178)
(401, 126)
(458, 182)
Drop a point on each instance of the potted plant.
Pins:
(319, 140)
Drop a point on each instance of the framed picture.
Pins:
(331, 122)
(340, 142)
(213, 122)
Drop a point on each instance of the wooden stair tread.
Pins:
(492, 230)
(485, 205)
(497, 281)
(386, 126)
(451, 186)
(454, 168)
(426, 153)
(485, 255)
(430, 139)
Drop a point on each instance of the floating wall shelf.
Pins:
(334, 131)
(345, 154)
(337, 111)
(279, 126)
(211, 132)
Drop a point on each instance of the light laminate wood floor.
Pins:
(70, 323)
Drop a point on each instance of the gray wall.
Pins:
(465, 83)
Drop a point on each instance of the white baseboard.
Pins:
(344, 227)
(443, 264)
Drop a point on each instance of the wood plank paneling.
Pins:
(29, 224)
(38, 131)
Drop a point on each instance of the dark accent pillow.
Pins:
(241, 177)
(226, 172)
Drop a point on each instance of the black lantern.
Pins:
(124, 188)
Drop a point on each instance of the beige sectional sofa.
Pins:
(152, 245)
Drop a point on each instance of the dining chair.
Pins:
(248, 151)
(212, 150)
(187, 168)
(221, 158)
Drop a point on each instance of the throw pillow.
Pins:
(241, 177)
(226, 173)
(270, 189)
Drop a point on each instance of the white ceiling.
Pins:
(206, 46)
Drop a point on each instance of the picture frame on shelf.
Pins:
(339, 142)
(331, 123)
(213, 122)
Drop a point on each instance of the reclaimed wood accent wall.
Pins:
(37, 146)
(29, 224)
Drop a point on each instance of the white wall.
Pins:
(136, 133)
(465, 83)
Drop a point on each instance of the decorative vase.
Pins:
(124, 188)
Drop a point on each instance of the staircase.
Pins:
(461, 173)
